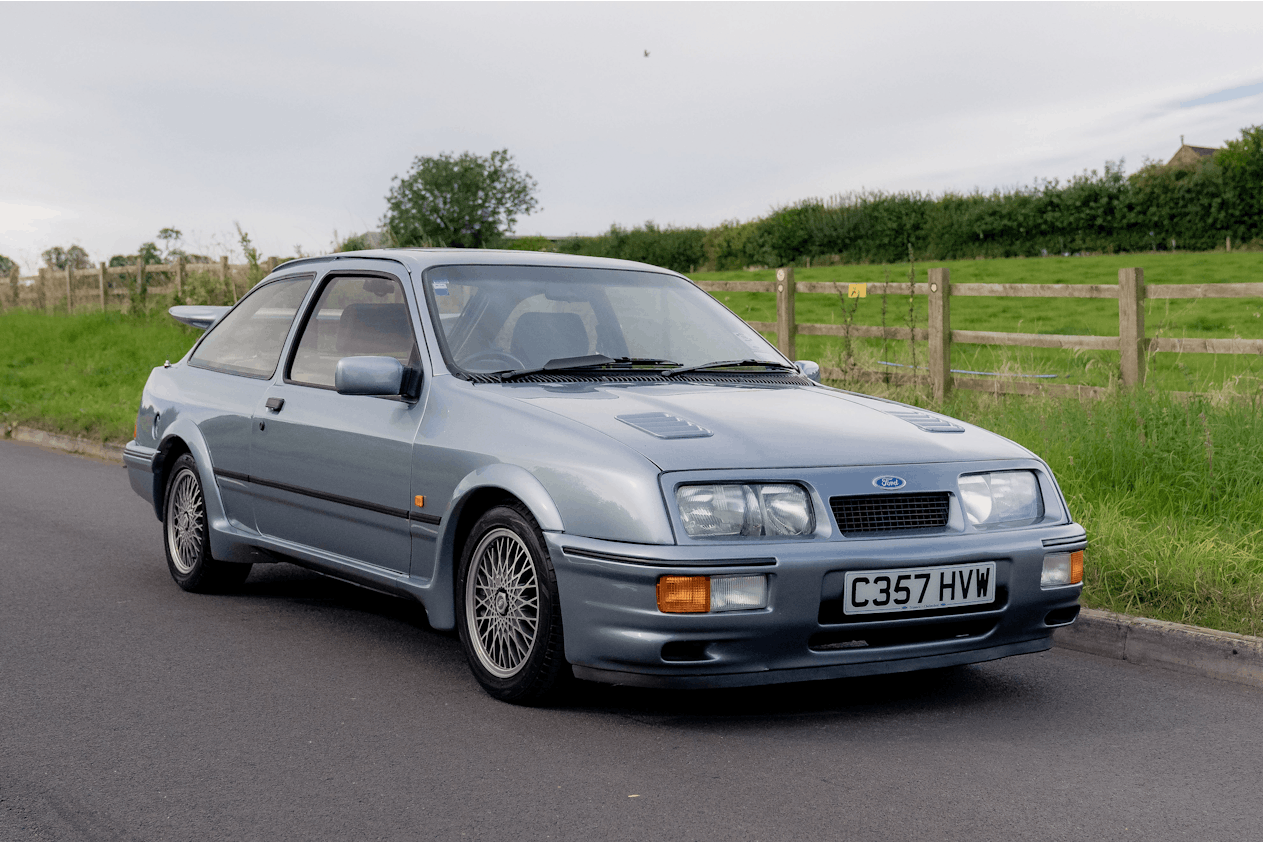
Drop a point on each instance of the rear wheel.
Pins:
(508, 614)
(186, 535)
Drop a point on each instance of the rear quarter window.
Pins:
(248, 341)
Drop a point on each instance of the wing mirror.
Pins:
(808, 369)
(368, 376)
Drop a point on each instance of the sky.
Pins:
(292, 119)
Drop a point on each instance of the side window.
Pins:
(354, 317)
(248, 341)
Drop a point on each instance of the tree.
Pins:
(6, 265)
(60, 258)
(465, 201)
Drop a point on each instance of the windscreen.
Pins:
(516, 318)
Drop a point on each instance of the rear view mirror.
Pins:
(368, 376)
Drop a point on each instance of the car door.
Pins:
(229, 372)
(332, 472)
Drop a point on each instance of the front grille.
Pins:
(868, 513)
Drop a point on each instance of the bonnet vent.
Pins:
(664, 425)
(926, 421)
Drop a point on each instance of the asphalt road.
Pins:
(302, 708)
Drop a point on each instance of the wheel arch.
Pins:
(180, 438)
(478, 492)
(169, 450)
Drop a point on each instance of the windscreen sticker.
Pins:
(440, 287)
(751, 340)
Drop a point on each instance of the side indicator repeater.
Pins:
(419, 500)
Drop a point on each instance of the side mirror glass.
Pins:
(368, 376)
(808, 369)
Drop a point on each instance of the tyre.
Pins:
(507, 611)
(186, 535)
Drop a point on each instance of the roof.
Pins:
(1187, 155)
(419, 259)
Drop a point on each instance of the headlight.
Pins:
(729, 509)
(1001, 497)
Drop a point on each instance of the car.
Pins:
(591, 469)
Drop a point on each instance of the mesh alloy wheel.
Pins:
(186, 535)
(502, 603)
(186, 521)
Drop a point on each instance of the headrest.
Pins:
(540, 337)
(374, 330)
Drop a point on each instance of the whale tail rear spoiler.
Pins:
(197, 315)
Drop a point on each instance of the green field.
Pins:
(82, 374)
(1170, 491)
(1209, 318)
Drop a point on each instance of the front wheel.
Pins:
(507, 610)
(186, 534)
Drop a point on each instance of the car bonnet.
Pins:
(681, 426)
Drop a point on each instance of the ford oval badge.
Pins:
(889, 482)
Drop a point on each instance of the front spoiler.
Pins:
(821, 673)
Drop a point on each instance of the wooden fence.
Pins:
(108, 287)
(1131, 344)
(111, 287)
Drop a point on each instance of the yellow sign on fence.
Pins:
(857, 291)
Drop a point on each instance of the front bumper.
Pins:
(614, 632)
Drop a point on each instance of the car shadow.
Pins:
(866, 697)
(863, 697)
(293, 585)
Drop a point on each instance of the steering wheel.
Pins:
(490, 355)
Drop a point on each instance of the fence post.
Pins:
(786, 323)
(70, 292)
(179, 276)
(15, 286)
(940, 332)
(41, 289)
(271, 265)
(100, 281)
(226, 276)
(1131, 326)
(141, 281)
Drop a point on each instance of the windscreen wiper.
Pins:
(731, 364)
(584, 363)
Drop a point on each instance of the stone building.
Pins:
(1190, 156)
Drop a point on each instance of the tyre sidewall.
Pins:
(546, 663)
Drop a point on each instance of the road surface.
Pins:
(302, 708)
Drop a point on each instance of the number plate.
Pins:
(919, 588)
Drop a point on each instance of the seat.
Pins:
(374, 330)
(540, 337)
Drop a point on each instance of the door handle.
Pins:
(275, 404)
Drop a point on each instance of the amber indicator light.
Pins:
(684, 594)
(419, 500)
(1076, 567)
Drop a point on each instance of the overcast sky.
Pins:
(119, 119)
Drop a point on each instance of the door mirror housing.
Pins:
(369, 376)
(808, 369)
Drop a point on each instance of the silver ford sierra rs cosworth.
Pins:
(591, 468)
